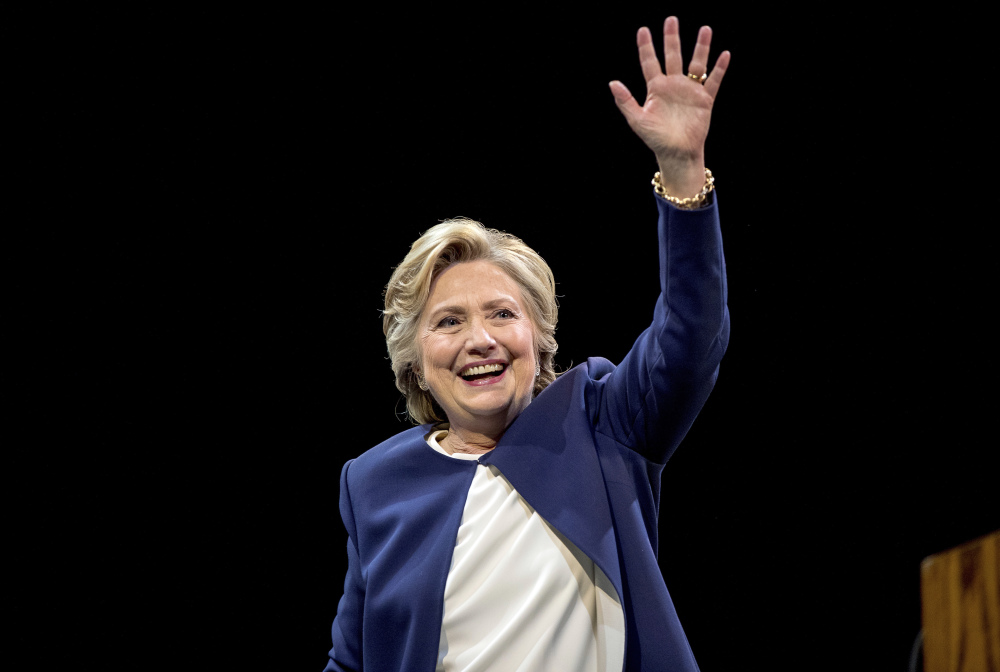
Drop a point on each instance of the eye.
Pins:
(450, 321)
(504, 314)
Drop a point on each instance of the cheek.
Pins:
(434, 352)
(424, 355)
(418, 356)
(527, 344)
(533, 341)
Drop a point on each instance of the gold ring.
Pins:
(698, 78)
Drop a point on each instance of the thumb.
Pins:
(624, 100)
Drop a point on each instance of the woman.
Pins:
(520, 533)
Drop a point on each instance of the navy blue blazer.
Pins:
(587, 454)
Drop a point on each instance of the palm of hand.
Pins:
(675, 117)
(674, 120)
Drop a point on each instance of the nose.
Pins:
(479, 337)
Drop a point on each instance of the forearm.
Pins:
(652, 398)
(690, 329)
(692, 315)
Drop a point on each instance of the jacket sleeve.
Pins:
(346, 654)
(651, 399)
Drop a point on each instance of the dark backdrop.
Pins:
(214, 200)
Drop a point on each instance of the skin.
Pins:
(674, 119)
(673, 122)
(476, 315)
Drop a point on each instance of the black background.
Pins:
(212, 202)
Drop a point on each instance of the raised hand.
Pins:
(674, 120)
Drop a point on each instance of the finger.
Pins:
(625, 102)
(672, 47)
(647, 55)
(718, 72)
(699, 61)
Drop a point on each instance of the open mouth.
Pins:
(483, 372)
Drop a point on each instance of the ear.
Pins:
(421, 383)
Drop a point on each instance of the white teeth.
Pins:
(479, 370)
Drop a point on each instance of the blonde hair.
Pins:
(450, 242)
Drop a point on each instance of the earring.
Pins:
(421, 383)
(538, 369)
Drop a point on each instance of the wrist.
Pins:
(687, 202)
(682, 177)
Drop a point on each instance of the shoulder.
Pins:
(402, 447)
(594, 369)
(572, 389)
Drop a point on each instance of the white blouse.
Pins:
(519, 595)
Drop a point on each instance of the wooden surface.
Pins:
(960, 593)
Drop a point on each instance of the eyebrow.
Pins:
(489, 305)
(446, 309)
(502, 301)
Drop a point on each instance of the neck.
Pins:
(470, 443)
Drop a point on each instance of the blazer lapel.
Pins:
(549, 456)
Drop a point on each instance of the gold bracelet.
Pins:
(693, 202)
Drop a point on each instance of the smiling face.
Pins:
(477, 348)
